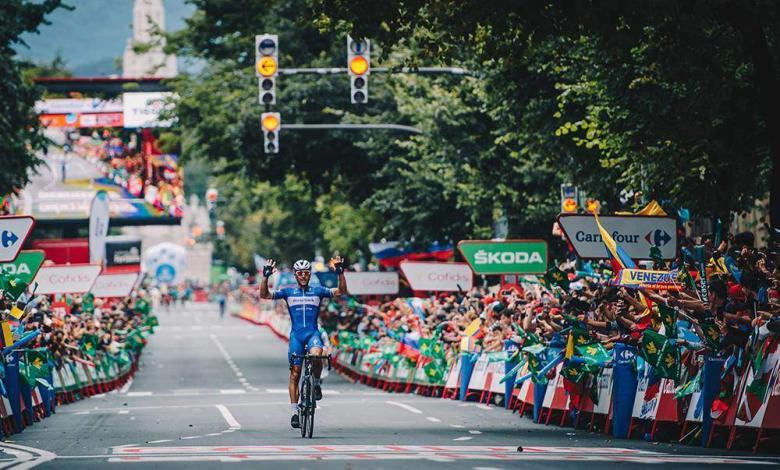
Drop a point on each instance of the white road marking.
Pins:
(474, 431)
(159, 441)
(229, 418)
(331, 392)
(277, 390)
(81, 413)
(232, 391)
(459, 426)
(139, 394)
(239, 375)
(99, 395)
(463, 438)
(404, 406)
(432, 419)
(26, 457)
(123, 412)
(126, 387)
(438, 453)
(484, 407)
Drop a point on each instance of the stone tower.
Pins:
(148, 15)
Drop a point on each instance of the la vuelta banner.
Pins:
(647, 279)
(70, 279)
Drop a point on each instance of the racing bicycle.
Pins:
(306, 402)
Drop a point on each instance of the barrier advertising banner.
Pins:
(13, 233)
(70, 279)
(372, 283)
(643, 278)
(437, 276)
(25, 266)
(635, 234)
(505, 257)
(144, 109)
(98, 227)
(114, 285)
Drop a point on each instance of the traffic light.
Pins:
(359, 67)
(267, 66)
(592, 206)
(568, 199)
(271, 124)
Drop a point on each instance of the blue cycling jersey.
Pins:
(303, 305)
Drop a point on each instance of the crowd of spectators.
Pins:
(82, 328)
(743, 301)
(137, 168)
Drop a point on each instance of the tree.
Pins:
(19, 129)
(678, 97)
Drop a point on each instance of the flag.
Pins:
(755, 392)
(36, 365)
(88, 344)
(691, 386)
(408, 352)
(88, 302)
(434, 371)
(669, 320)
(661, 353)
(593, 354)
(512, 372)
(555, 276)
(15, 287)
(711, 333)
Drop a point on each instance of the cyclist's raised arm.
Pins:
(268, 269)
(338, 265)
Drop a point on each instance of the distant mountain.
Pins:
(90, 37)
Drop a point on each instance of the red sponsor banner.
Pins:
(82, 120)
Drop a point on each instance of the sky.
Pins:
(94, 34)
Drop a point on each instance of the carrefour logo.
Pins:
(8, 238)
(507, 257)
(658, 237)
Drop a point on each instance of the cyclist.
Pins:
(303, 303)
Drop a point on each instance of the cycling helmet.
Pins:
(302, 265)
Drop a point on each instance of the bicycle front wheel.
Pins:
(310, 419)
(305, 406)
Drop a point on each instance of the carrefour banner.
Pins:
(647, 279)
(505, 257)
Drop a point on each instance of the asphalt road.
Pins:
(212, 393)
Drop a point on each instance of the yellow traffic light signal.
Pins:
(592, 206)
(270, 121)
(359, 68)
(271, 125)
(266, 67)
(358, 65)
(569, 205)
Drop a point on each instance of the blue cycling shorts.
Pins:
(302, 341)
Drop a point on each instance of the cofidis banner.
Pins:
(372, 283)
(70, 279)
(437, 276)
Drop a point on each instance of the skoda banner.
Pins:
(635, 234)
(505, 257)
(69, 279)
(437, 276)
(372, 283)
(25, 266)
(98, 227)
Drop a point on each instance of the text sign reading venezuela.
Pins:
(505, 257)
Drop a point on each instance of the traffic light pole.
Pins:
(352, 127)
(338, 70)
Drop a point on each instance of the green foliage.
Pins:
(19, 129)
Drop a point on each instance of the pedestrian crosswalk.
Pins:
(436, 453)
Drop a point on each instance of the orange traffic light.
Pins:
(358, 65)
(270, 122)
(266, 66)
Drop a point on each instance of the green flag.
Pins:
(691, 386)
(88, 302)
(15, 287)
(36, 365)
(555, 276)
(593, 354)
(434, 371)
(711, 333)
(668, 319)
(651, 347)
(89, 343)
(426, 347)
(574, 372)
